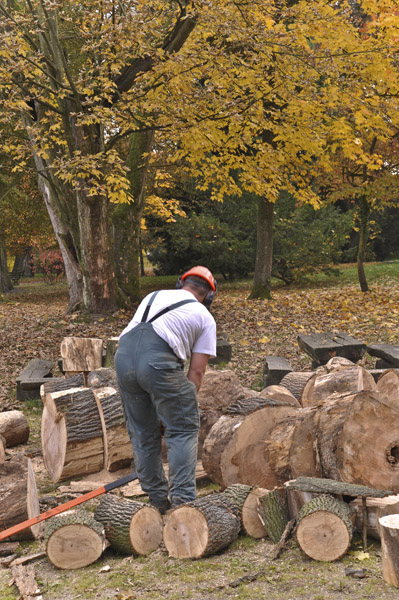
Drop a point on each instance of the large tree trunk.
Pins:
(261, 287)
(126, 218)
(5, 281)
(361, 249)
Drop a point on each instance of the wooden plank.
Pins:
(323, 346)
(275, 368)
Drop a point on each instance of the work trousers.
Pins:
(154, 389)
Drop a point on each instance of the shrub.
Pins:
(49, 262)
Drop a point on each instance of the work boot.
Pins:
(177, 501)
(163, 507)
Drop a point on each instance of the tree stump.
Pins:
(324, 529)
(296, 381)
(322, 386)
(14, 427)
(200, 528)
(389, 527)
(235, 451)
(72, 435)
(117, 446)
(81, 354)
(272, 510)
(19, 499)
(130, 527)
(246, 499)
(74, 540)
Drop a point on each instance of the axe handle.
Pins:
(66, 506)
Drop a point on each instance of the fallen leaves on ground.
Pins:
(33, 323)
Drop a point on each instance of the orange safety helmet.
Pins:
(201, 272)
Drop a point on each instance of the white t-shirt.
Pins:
(186, 329)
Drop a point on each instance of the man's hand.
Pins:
(197, 368)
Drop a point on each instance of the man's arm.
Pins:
(197, 368)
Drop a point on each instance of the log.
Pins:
(330, 486)
(117, 446)
(218, 391)
(280, 393)
(389, 527)
(272, 510)
(296, 381)
(2, 450)
(338, 381)
(376, 508)
(60, 384)
(111, 346)
(234, 450)
(246, 497)
(388, 386)
(74, 540)
(200, 528)
(104, 377)
(72, 435)
(130, 527)
(14, 427)
(81, 354)
(292, 447)
(337, 363)
(368, 446)
(295, 500)
(324, 528)
(19, 499)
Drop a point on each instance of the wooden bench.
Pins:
(15, 276)
(275, 368)
(389, 354)
(323, 346)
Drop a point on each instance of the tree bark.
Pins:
(261, 287)
(361, 249)
(126, 218)
(14, 427)
(5, 281)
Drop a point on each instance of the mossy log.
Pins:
(292, 447)
(74, 540)
(14, 427)
(117, 446)
(72, 435)
(324, 528)
(235, 451)
(19, 500)
(245, 497)
(200, 528)
(130, 527)
(322, 385)
(389, 527)
(296, 381)
(272, 510)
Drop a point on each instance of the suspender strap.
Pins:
(168, 308)
(147, 308)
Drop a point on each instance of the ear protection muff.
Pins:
(196, 271)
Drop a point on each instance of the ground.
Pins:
(32, 325)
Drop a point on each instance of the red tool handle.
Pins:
(66, 506)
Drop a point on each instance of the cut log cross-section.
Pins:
(322, 386)
(14, 427)
(389, 527)
(200, 528)
(246, 498)
(130, 527)
(72, 434)
(388, 386)
(117, 446)
(81, 354)
(235, 450)
(19, 499)
(74, 540)
(324, 528)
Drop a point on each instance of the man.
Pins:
(168, 327)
